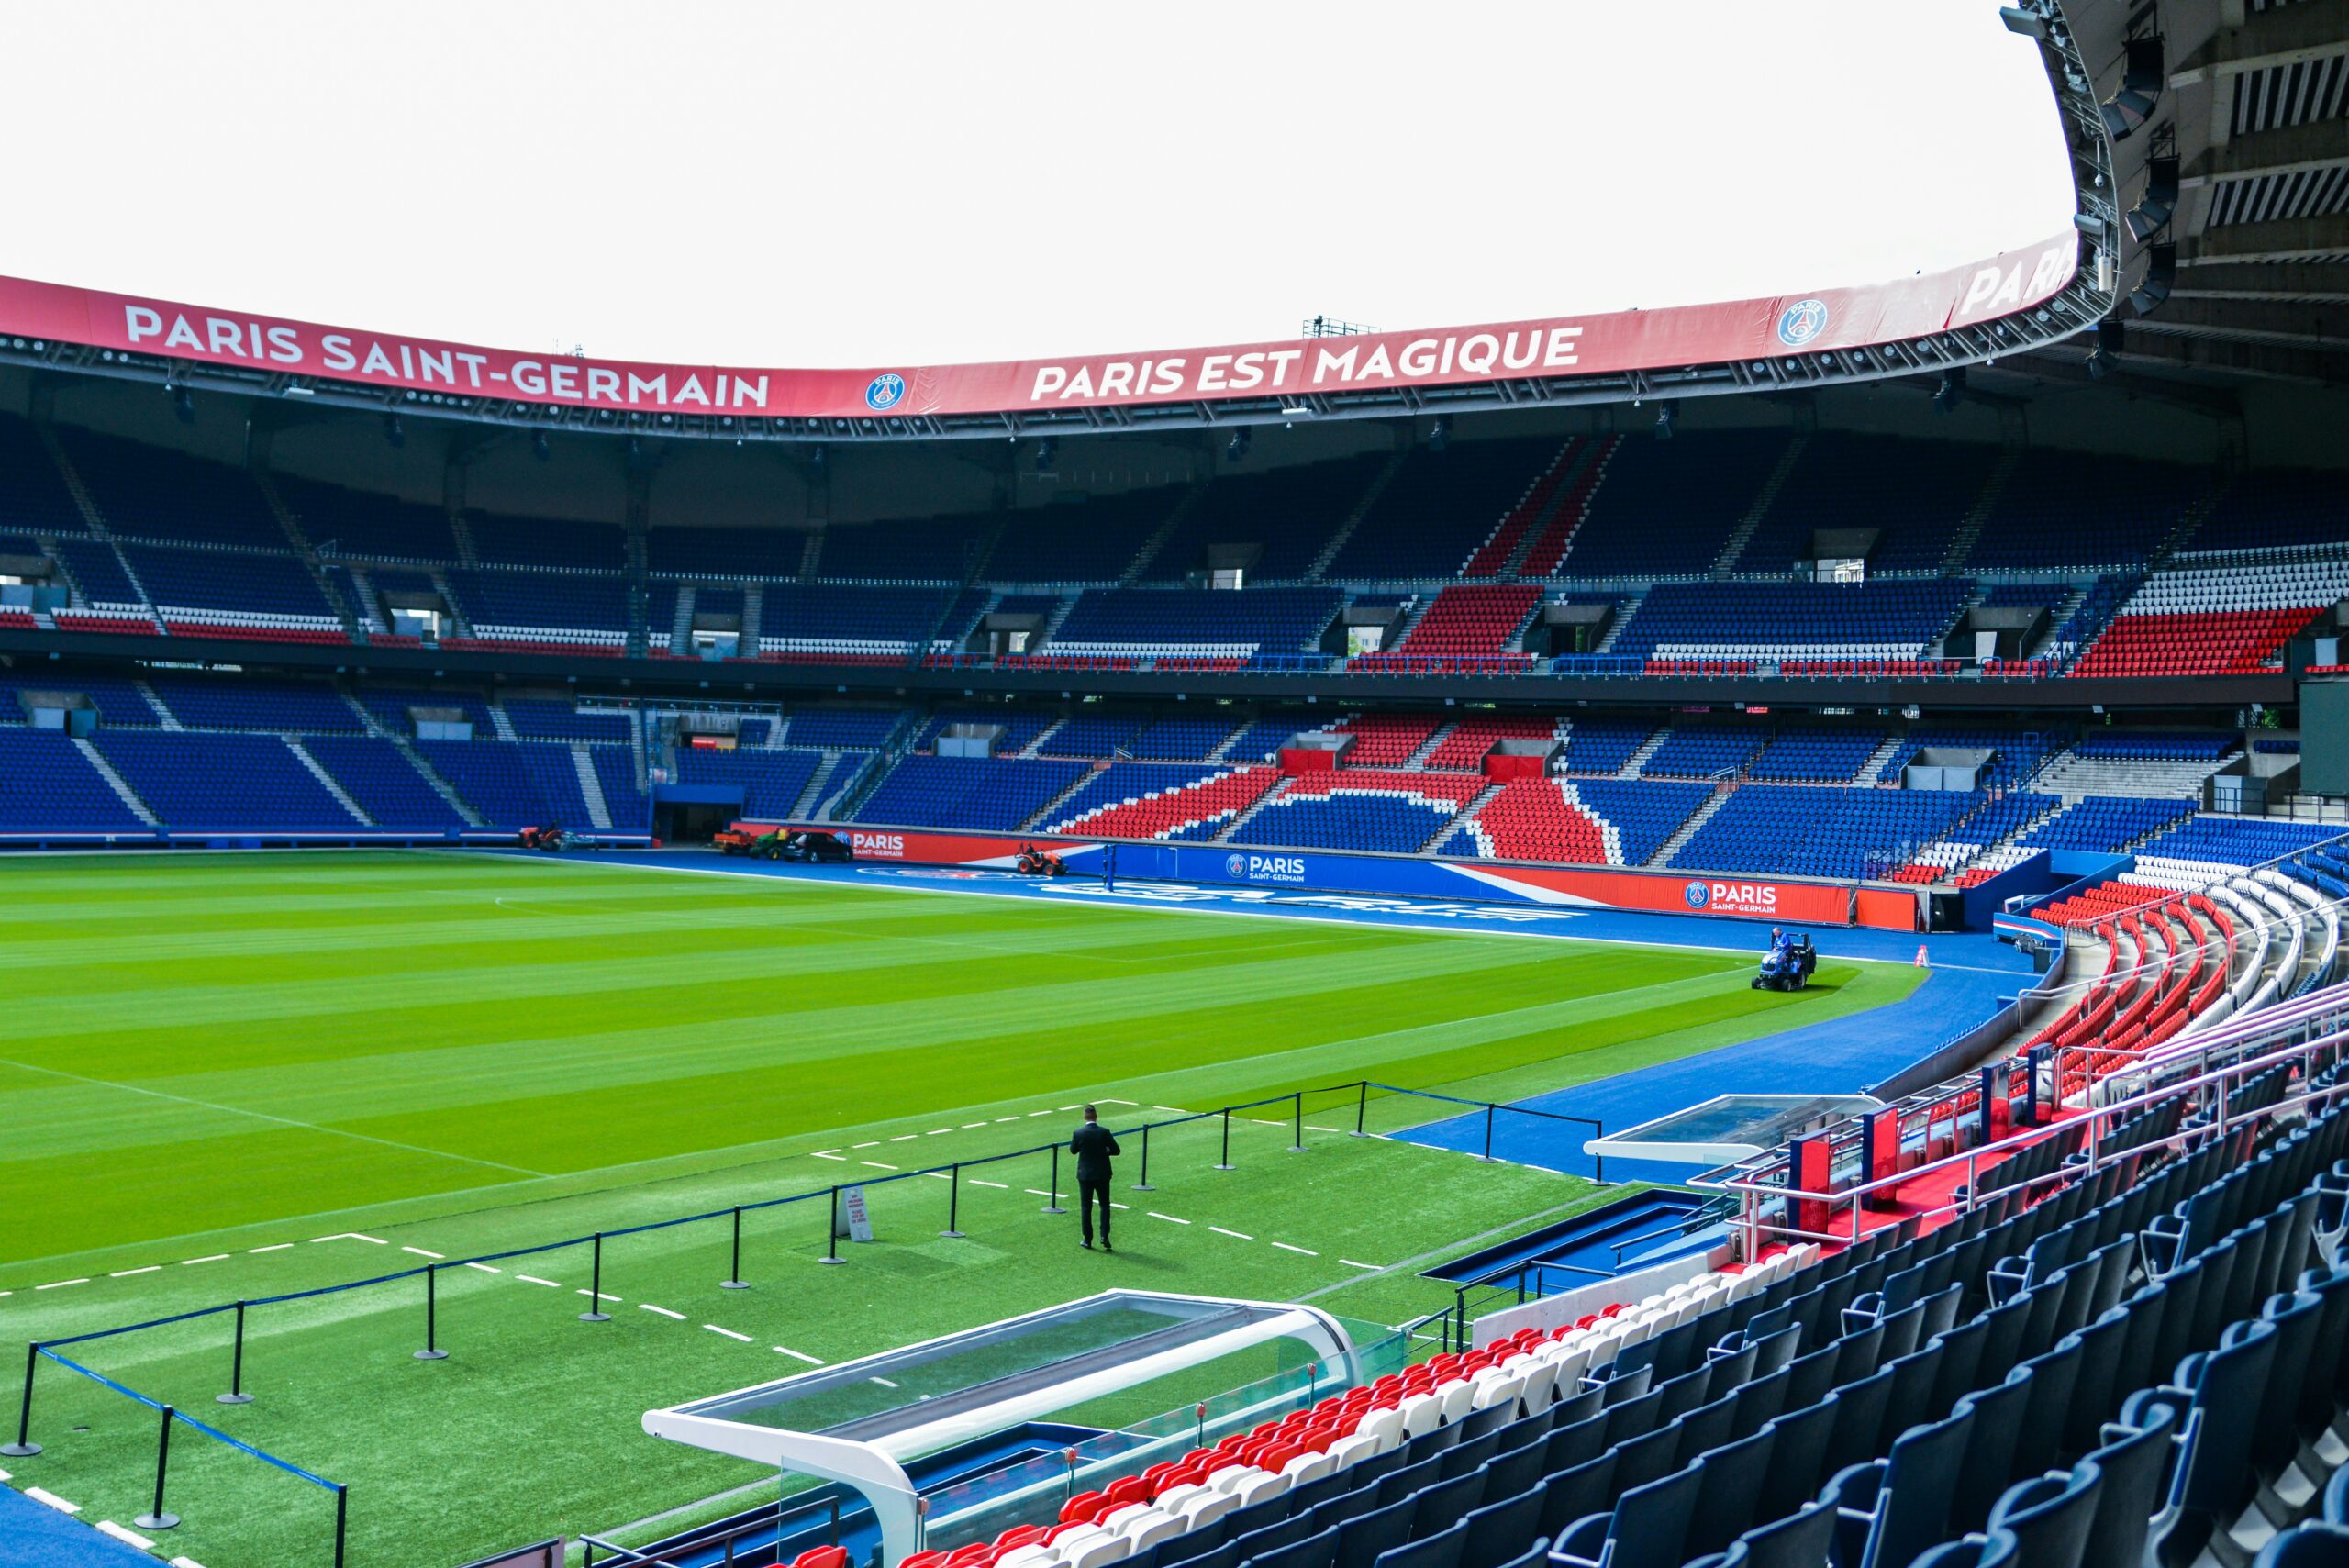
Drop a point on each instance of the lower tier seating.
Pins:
(1360, 810)
(1161, 800)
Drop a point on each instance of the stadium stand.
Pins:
(2082, 511)
(1393, 813)
(1468, 627)
(771, 781)
(1837, 488)
(1701, 750)
(1667, 509)
(1802, 621)
(1160, 800)
(2214, 620)
(48, 785)
(1536, 819)
(1439, 507)
(224, 782)
(372, 772)
(1286, 516)
(1092, 540)
(1213, 628)
(996, 793)
(1788, 831)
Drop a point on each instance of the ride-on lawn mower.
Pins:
(1787, 967)
(1034, 862)
(785, 844)
(550, 839)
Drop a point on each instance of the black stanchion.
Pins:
(595, 1313)
(832, 1233)
(1226, 1164)
(1362, 1107)
(1487, 1155)
(1599, 1162)
(157, 1518)
(733, 1280)
(342, 1521)
(1143, 1185)
(1297, 1123)
(24, 1447)
(835, 1538)
(237, 1395)
(953, 1212)
(432, 1350)
(1053, 1203)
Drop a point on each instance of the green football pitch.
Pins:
(235, 1076)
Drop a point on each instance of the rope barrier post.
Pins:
(733, 1280)
(595, 1313)
(237, 1395)
(835, 1539)
(833, 1231)
(953, 1210)
(1227, 1165)
(1053, 1202)
(1362, 1106)
(156, 1519)
(1297, 1123)
(24, 1447)
(1599, 1162)
(1487, 1155)
(1143, 1185)
(432, 1350)
(341, 1520)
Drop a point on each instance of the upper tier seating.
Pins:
(920, 549)
(2214, 620)
(200, 592)
(2277, 509)
(372, 772)
(574, 612)
(1090, 540)
(217, 702)
(154, 492)
(198, 783)
(1439, 507)
(1554, 485)
(1701, 750)
(771, 781)
(367, 524)
(980, 792)
(1584, 471)
(1667, 508)
(33, 496)
(1468, 627)
(1536, 819)
(1895, 620)
(753, 554)
(1358, 809)
(47, 786)
(2072, 509)
(97, 571)
(1160, 800)
(1788, 831)
(2105, 823)
(1466, 745)
(840, 728)
(1194, 623)
(1291, 513)
(546, 542)
(830, 623)
(1916, 493)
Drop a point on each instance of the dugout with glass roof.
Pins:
(863, 1422)
(1728, 1128)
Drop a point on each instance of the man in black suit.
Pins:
(1093, 1145)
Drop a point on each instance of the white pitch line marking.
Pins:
(1001, 1119)
(209, 1258)
(1543, 1169)
(982, 1182)
(937, 1131)
(1033, 1191)
(41, 1495)
(1120, 1206)
(272, 1247)
(868, 1143)
(350, 1236)
(125, 1273)
(1040, 1113)
(107, 1526)
(1108, 1101)
(905, 1138)
(728, 1332)
(1316, 1126)
(606, 1296)
(648, 1307)
(1178, 1110)
(1235, 1235)
(801, 1356)
(876, 1164)
(1286, 1248)
(185, 1563)
(1374, 1268)
(939, 1175)
(485, 1268)
(968, 1125)
(884, 1383)
(1072, 1107)
(533, 1279)
(842, 1157)
(60, 1284)
(420, 1253)
(1168, 1218)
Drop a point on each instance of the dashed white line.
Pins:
(728, 1332)
(1286, 1248)
(1001, 1119)
(125, 1273)
(272, 1247)
(207, 1258)
(648, 1307)
(600, 1295)
(884, 1382)
(1178, 1110)
(868, 1143)
(1316, 1126)
(982, 1182)
(42, 1495)
(1072, 1107)
(1168, 1218)
(905, 1138)
(420, 1253)
(936, 1132)
(1374, 1268)
(1040, 1113)
(968, 1125)
(350, 1236)
(1108, 1101)
(185, 1563)
(876, 1164)
(107, 1526)
(1235, 1235)
(822, 1155)
(1037, 1192)
(1120, 1206)
(800, 1355)
(485, 1268)
(60, 1284)
(939, 1175)
(1543, 1169)
(533, 1279)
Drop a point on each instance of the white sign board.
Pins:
(854, 1223)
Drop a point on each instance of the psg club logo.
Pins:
(885, 390)
(1698, 894)
(1802, 321)
(1237, 865)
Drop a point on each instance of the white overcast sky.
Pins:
(909, 181)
